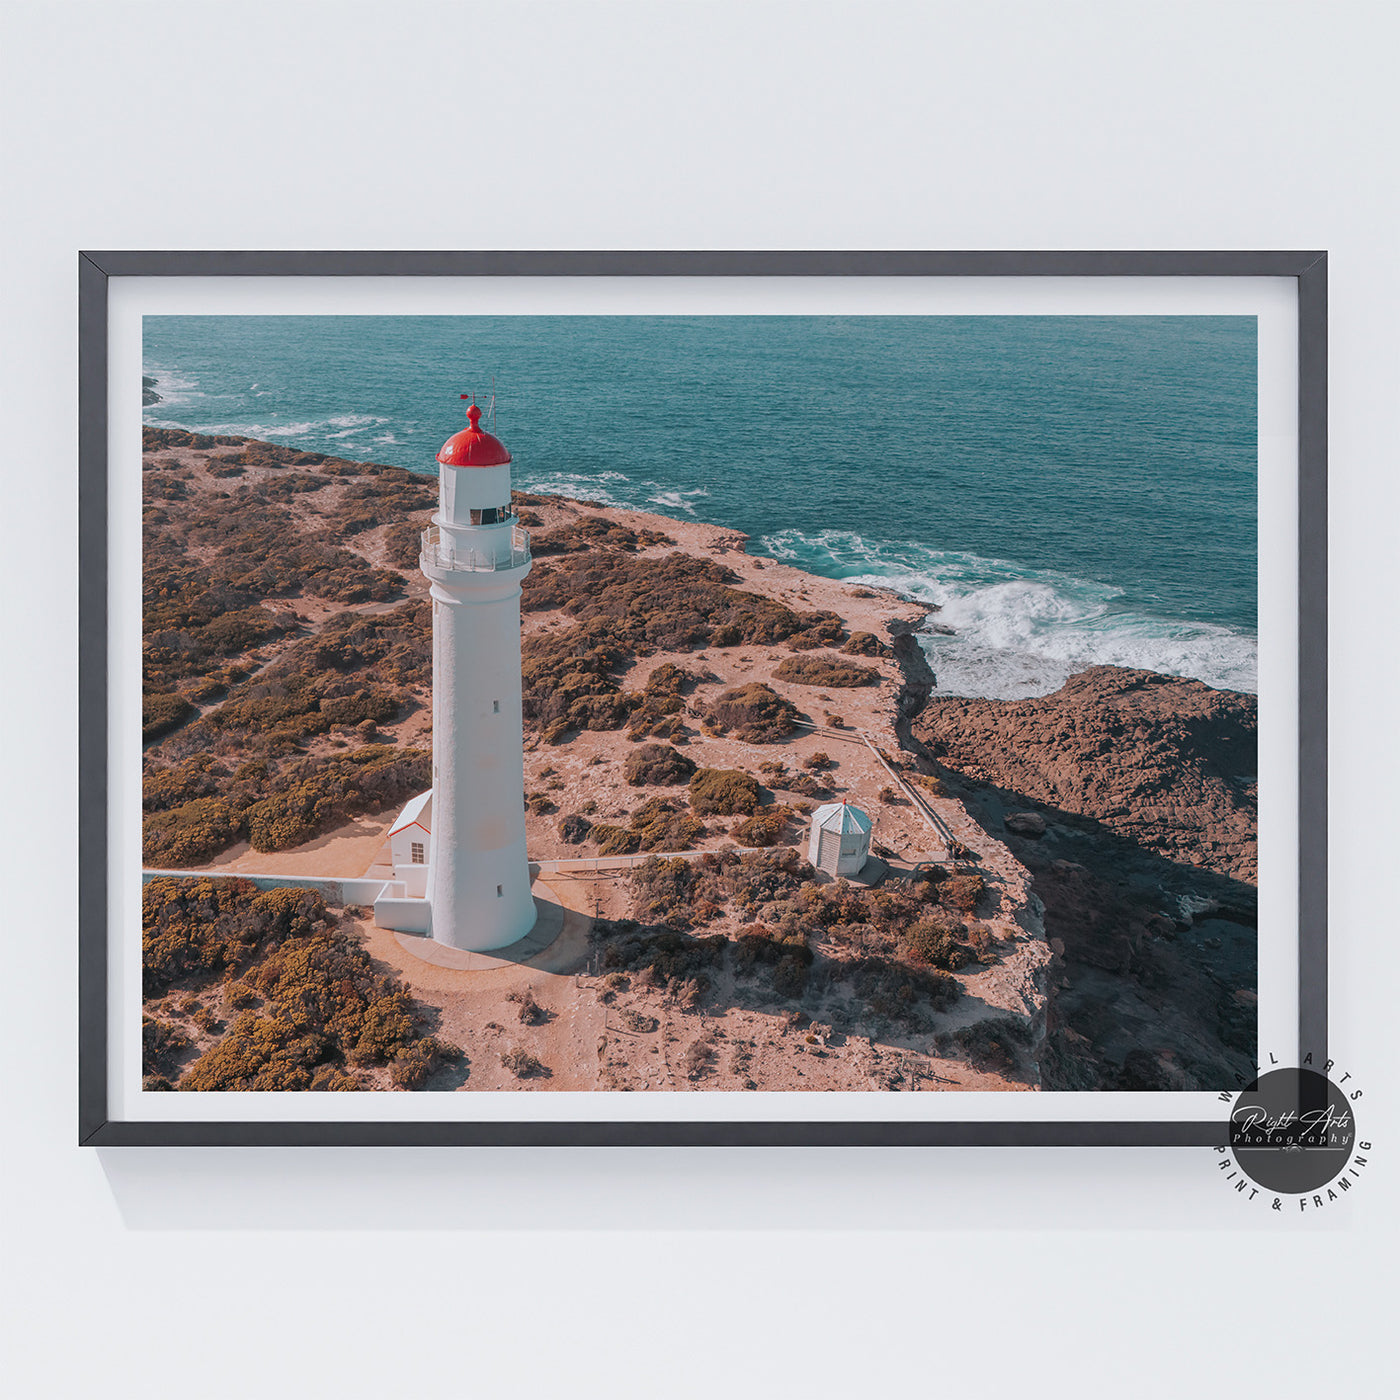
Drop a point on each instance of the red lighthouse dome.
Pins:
(473, 448)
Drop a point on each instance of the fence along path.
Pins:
(920, 803)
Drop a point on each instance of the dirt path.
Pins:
(474, 1008)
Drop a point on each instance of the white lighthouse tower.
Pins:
(475, 556)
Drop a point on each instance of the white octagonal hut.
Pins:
(840, 839)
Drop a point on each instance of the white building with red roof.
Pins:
(459, 850)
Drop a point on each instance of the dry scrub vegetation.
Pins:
(258, 727)
(266, 990)
(756, 928)
(623, 606)
(281, 650)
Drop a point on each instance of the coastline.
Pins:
(584, 768)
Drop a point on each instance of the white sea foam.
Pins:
(341, 426)
(1018, 632)
(676, 500)
(577, 486)
(348, 424)
(173, 389)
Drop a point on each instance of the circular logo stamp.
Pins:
(1293, 1132)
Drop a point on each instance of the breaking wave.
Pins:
(174, 389)
(577, 486)
(1013, 632)
(676, 500)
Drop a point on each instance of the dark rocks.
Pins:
(918, 678)
(1129, 797)
(1161, 761)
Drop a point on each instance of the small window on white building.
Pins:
(417, 853)
(495, 707)
(500, 890)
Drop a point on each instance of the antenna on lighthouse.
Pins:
(493, 403)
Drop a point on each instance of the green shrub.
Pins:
(411, 1068)
(233, 633)
(307, 798)
(201, 927)
(662, 703)
(327, 1078)
(260, 1053)
(764, 828)
(818, 629)
(163, 788)
(698, 1059)
(662, 891)
(898, 990)
(933, 941)
(866, 644)
(161, 1045)
(190, 833)
(962, 892)
(528, 1011)
(240, 995)
(725, 792)
(402, 543)
(162, 713)
(790, 976)
(522, 1064)
(287, 818)
(675, 602)
(614, 840)
(668, 956)
(301, 709)
(200, 689)
(995, 1044)
(754, 713)
(825, 671)
(575, 828)
(663, 825)
(324, 1004)
(804, 784)
(568, 682)
(770, 944)
(658, 765)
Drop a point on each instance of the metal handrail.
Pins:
(460, 558)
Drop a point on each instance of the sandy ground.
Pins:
(348, 850)
(599, 1036)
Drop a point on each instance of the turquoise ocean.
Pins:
(1071, 490)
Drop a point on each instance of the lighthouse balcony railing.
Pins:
(442, 551)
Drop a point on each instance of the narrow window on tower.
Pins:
(416, 853)
(495, 707)
(500, 890)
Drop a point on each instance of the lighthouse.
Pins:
(474, 555)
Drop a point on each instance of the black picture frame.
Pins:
(96, 1127)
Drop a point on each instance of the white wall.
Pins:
(1000, 125)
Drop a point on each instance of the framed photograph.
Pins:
(699, 698)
